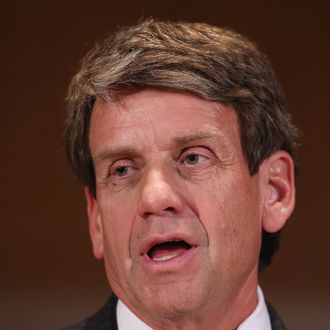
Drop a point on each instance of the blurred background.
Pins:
(48, 276)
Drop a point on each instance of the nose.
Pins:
(159, 196)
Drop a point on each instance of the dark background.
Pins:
(48, 276)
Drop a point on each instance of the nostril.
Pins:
(170, 209)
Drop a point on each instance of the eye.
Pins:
(122, 170)
(193, 159)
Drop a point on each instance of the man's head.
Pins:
(180, 129)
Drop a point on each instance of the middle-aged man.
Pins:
(180, 135)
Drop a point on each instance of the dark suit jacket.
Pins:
(105, 318)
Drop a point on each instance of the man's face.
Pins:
(177, 216)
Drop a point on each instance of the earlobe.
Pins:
(95, 224)
(279, 190)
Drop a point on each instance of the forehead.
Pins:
(158, 116)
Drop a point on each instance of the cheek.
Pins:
(230, 215)
(117, 222)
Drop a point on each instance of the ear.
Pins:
(279, 190)
(95, 224)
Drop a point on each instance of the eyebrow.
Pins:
(200, 135)
(115, 152)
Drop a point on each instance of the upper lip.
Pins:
(152, 240)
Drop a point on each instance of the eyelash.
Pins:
(199, 151)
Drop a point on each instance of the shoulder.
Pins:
(103, 319)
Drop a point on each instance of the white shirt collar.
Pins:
(127, 320)
(258, 320)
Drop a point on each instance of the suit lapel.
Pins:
(276, 322)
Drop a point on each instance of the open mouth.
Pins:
(167, 250)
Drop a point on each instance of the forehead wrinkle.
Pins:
(180, 140)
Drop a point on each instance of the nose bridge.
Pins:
(159, 194)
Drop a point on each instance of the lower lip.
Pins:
(181, 260)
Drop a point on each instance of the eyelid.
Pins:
(121, 163)
(203, 152)
(196, 150)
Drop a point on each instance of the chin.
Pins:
(176, 301)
